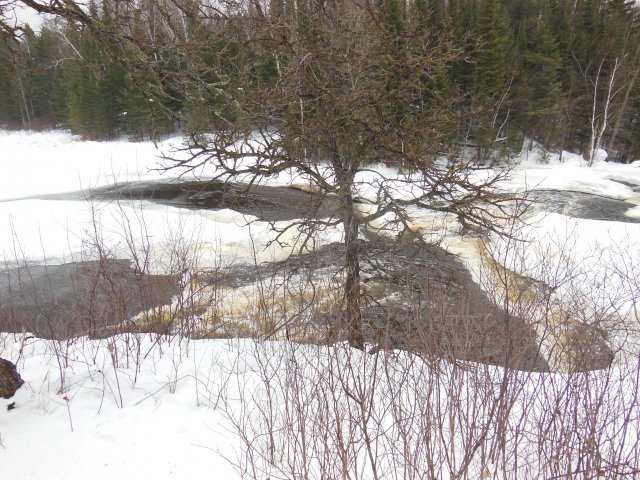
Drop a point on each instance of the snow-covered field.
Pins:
(141, 406)
(37, 229)
(172, 408)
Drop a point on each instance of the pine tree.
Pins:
(560, 21)
(439, 16)
(392, 13)
(619, 19)
(464, 18)
(490, 75)
(541, 99)
(9, 94)
(93, 104)
(491, 57)
(42, 66)
(624, 20)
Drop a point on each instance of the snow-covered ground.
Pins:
(143, 407)
(177, 411)
(37, 229)
(540, 170)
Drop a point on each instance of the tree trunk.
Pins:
(351, 314)
(351, 303)
(599, 123)
(24, 107)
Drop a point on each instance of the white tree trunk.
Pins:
(600, 121)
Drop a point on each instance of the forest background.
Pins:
(561, 72)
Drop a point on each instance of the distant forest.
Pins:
(564, 73)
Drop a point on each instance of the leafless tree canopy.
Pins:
(321, 89)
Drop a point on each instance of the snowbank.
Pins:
(140, 406)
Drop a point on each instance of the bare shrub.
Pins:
(335, 412)
(443, 391)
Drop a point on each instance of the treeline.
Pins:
(65, 76)
(561, 72)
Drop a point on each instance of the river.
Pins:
(418, 296)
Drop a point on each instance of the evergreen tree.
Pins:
(560, 21)
(464, 18)
(439, 16)
(540, 97)
(617, 22)
(41, 67)
(392, 13)
(491, 57)
(490, 75)
(530, 64)
(9, 94)
(93, 104)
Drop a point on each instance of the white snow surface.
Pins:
(37, 164)
(164, 408)
(58, 162)
(537, 169)
(165, 419)
(37, 229)
(125, 429)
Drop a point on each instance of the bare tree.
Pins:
(350, 86)
(9, 25)
(319, 89)
(600, 113)
(633, 64)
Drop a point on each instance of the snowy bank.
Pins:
(173, 408)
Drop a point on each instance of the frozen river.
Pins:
(74, 202)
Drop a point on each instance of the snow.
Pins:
(633, 212)
(143, 406)
(161, 408)
(37, 229)
(573, 174)
(59, 162)
(108, 424)
(590, 268)
(56, 232)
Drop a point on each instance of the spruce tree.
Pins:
(540, 96)
(93, 108)
(42, 67)
(490, 74)
(491, 57)
(9, 94)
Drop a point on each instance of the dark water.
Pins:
(62, 301)
(282, 203)
(634, 186)
(267, 203)
(437, 309)
(583, 205)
